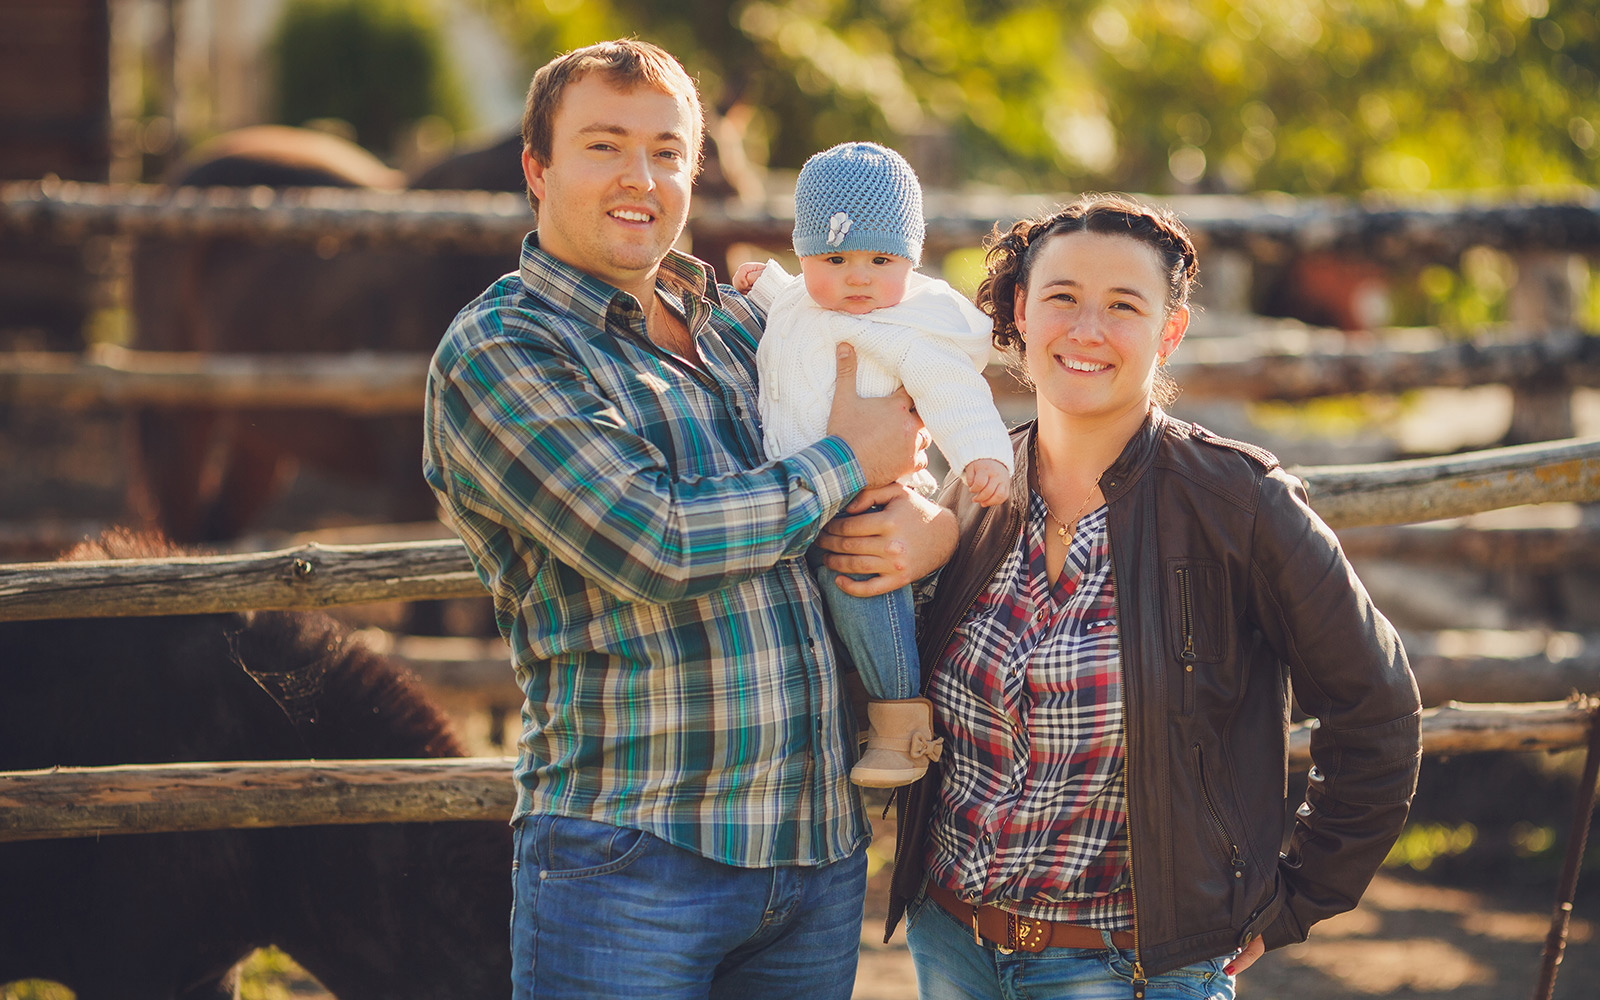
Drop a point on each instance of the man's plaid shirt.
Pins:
(1032, 810)
(647, 564)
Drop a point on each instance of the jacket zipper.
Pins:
(1235, 856)
(1139, 981)
(1186, 622)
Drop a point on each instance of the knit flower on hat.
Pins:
(838, 227)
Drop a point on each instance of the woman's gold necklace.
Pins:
(1063, 531)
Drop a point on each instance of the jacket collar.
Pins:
(1137, 455)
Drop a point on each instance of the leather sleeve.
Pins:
(1349, 671)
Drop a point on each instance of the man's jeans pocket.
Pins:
(568, 848)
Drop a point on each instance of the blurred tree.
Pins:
(1306, 96)
(379, 65)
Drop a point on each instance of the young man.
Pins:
(684, 826)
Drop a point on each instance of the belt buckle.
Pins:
(1027, 933)
(977, 938)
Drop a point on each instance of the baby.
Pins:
(858, 233)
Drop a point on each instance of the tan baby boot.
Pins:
(900, 742)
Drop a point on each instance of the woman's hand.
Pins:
(910, 538)
(1246, 958)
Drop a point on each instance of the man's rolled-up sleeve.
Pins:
(522, 436)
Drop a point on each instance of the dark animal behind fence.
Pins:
(206, 475)
(415, 910)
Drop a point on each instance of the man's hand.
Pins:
(885, 434)
(905, 541)
(745, 277)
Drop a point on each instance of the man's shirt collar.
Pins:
(589, 299)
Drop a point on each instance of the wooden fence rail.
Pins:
(314, 576)
(1454, 486)
(365, 383)
(309, 576)
(100, 801)
(1242, 368)
(1419, 230)
(1473, 665)
(1495, 549)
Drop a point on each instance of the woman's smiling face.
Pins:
(1094, 321)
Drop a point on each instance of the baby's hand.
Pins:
(745, 277)
(988, 481)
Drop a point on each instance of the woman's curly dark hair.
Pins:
(1009, 256)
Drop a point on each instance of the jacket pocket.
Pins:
(1227, 844)
(1196, 615)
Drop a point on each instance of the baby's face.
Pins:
(855, 281)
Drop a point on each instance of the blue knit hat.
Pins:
(858, 196)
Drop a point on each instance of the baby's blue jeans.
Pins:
(879, 633)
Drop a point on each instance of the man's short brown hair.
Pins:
(625, 63)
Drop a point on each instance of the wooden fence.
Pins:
(1544, 349)
(100, 801)
(1409, 232)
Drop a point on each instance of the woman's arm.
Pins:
(1348, 670)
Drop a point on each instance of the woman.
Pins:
(1112, 656)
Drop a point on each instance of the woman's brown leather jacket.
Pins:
(1229, 590)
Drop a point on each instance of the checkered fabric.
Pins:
(646, 563)
(1032, 806)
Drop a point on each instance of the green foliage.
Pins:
(269, 974)
(1421, 843)
(35, 989)
(377, 64)
(1311, 96)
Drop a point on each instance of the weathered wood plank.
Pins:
(1490, 665)
(1460, 665)
(1500, 549)
(1457, 728)
(102, 801)
(310, 576)
(95, 801)
(1454, 486)
(1245, 368)
(1250, 369)
(334, 218)
(1433, 229)
(361, 383)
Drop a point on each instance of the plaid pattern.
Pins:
(1032, 810)
(646, 564)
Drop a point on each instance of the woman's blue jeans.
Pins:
(951, 966)
(604, 911)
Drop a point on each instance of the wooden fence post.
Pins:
(1543, 300)
(1556, 941)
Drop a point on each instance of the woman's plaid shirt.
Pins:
(1032, 810)
(646, 564)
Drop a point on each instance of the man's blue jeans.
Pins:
(604, 911)
(951, 966)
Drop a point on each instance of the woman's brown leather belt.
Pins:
(1010, 932)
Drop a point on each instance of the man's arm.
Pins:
(525, 438)
(908, 539)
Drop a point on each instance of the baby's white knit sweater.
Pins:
(934, 342)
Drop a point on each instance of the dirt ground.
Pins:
(1406, 939)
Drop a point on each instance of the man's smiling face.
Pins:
(615, 195)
